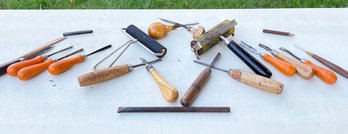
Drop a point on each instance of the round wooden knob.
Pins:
(158, 30)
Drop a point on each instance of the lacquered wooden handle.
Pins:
(168, 91)
(303, 70)
(331, 65)
(257, 81)
(195, 88)
(197, 32)
(103, 75)
(34, 70)
(282, 66)
(14, 68)
(158, 30)
(324, 74)
(65, 64)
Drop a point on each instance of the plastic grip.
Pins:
(14, 68)
(65, 64)
(284, 67)
(34, 70)
(324, 74)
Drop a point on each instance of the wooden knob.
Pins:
(197, 32)
(303, 70)
(158, 30)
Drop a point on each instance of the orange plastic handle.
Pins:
(31, 71)
(324, 74)
(65, 64)
(282, 66)
(14, 68)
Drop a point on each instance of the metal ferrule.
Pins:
(149, 67)
(274, 52)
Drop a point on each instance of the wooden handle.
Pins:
(168, 91)
(103, 75)
(303, 70)
(14, 68)
(282, 66)
(65, 64)
(195, 88)
(158, 30)
(331, 65)
(257, 81)
(324, 74)
(197, 32)
(34, 70)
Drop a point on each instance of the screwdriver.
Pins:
(247, 58)
(198, 84)
(34, 70)
(108, 73)
(327, 63)
(303, 70)
(253, 80)
(64, 65)
(168, 91)
(324, 74)
(14, 68)
(282, 66)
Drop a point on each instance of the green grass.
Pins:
(171, 4)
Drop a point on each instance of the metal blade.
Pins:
(249, 48)
(205, 64)
(59, 51)
(265, 47)
(75, 52)
(101, 49)
(293, 55)
(150, 62)
(38, 53)
(215, 59)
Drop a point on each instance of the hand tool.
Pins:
(168, 91)
(212, 37)
(65, 64)
(137, 36)
(77, 32)
(303, 70)
(106, 74)
(14, 68)
(173, 109)
(158, 30)
(282, 66)
(34, 70)
(325, 62)
(36, 52)
(253, 80)
(277, 32)
(247, 58)
(324, 74)
(198, 84)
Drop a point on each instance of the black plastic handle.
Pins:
(77, 32)
(250, 60)
(3, 67)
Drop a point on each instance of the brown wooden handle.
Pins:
(195, 88)
(303, 70)
(331, 65)
(197, 32)
(168, 91)
(103, 75)
(257, 81)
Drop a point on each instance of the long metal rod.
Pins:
(174, 109)
(59, 51)
(292, 54)
(101, 49)
(205, 64)
(75, 52)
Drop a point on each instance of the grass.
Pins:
(168, 4)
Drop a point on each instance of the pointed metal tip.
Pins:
(282, 48)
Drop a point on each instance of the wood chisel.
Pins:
(65, 64)
(34, 70)
(305, 71)
(247, 58)
(284, 67)
(173, 109)
(106, 74)
(327, 63)
(168, 91)
(324, 74)
(198, 84)
(254, 80)
(14, 68)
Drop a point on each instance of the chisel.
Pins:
(327, 63)
(106, 74)
(282, 66)
(34, 70)
(198, 84)
(65, 64)
(173, 109)
(14, 68)
(247, 58)
(305, 71)
(324, 74)
(254, 80)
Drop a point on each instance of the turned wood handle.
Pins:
(331, 65)
(282, 66)
(257, 81)
(168, 91)
(103, 75)
(197, 32)
(303, 70)
(324, 74)
(158, 30)
(195, 88)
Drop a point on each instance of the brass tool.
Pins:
(327, 63)
(168, 91)
(254, 80)
(173, 109)
(324, 74)
(305, 71)
(198, 84)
